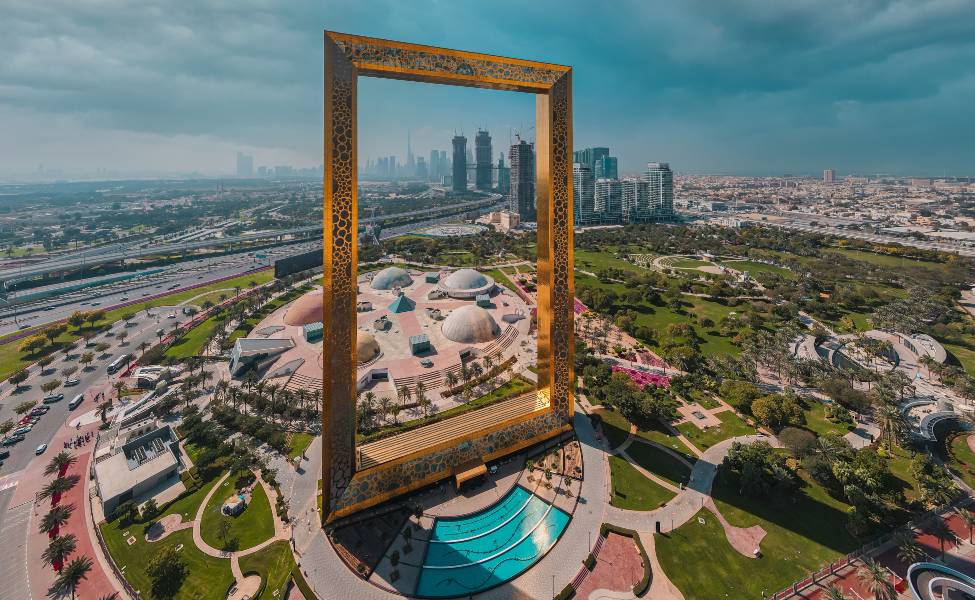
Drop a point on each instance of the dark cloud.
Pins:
(733, 85)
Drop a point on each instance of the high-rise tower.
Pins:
(521, 199)
(661, 198)
(482, 160)
(608, 200)
(583, 195)
(504, 176)
(460, 164)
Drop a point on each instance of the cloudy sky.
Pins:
(723, 86)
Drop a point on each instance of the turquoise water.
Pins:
(479, 551)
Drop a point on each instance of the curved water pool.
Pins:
(475, 552)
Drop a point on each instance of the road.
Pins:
(172, 279)
(142, 328)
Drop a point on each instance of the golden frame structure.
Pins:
(348, 57)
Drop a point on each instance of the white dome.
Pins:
(391, 277)
(465, 279)
(366, 347)
(470, 324)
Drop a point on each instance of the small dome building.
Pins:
(390, 278)
(467, 284)
(306, 310)
(470, 324)
(366, 347)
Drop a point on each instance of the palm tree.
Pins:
(451, 380)
(112, 596)
(834, 593)
(58, 486)
(968, 518)
(70, 578)
(908, 550)
(59, 463)
(385, 405)
(55, 519)
(875, 577)
(405, 394)
(59, 549)
(892, 424)
(940, 530)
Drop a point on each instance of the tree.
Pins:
(76, 319)
(33, 344)
(875, 577)
(25, 407)
(58, 486)
(940, 530)
(19, 377)
(70, 578)
(54, 332)
(150, 509)
(59, 549)
(968, 518)
(45, 361)
(167, 570)
(778, 410)
(451, 380)
(59, 462)
(759, 468)
(800, 442)
(49, 386)
(55, 519)
(86, 359)
(69, 371)
(908, 550)
(739, 394)
(103, 409)
(223, 530)
(834, 593)
(892, 424)
(6, 426)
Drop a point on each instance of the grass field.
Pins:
(589, 260)
(615, 427)
(817, 422)
(208, 579)
(964, 355)
(883, 260)
(659, 463)
(665, 438)
(191, 344)
(961, 459)
(274, 565)
(248, 529)
(731, 426)
(298, 442)
(633, 491)
(803, 532)
(686, 263)
(501, 278)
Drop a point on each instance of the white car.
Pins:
(72, 382)
(40, 449)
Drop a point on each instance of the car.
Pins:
(91, 344)
(40, 410)
(13, 439)
(53, 398)
(4, 454)
(40, 449)
(35, 419)
(124, 298)
(72, 382)
(23, 430)
(76, 401)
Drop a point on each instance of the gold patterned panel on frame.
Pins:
(346, 58)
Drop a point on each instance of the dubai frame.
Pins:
(440, 449)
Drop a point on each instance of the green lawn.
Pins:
(803, 532)
(274, 565)
(250, 528)
(208, 579)
(817, 422)
(965, 356)
(900, 467)
(502, 279)
(191, 344)
(615, 427)
(883, 260)
(665, 438)
(633, 491)
(659, 463)
(188, 506)
(961, 459)
(686, 263)
(589, 260)
(299, 442)
(731, 426)
(703, 398)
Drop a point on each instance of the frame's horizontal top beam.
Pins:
(397, 60)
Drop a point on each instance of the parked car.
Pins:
(40, 449)
(72, 382)
(13, 439)
(53, 398)
(23, 430)
(4, 454)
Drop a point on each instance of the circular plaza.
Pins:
(414, 328)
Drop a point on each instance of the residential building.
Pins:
(583, 195)
(636, 201)
(608, 204)
(828, 176)
(661, 193)
(460, 164)
(482, 160)
(521, 198)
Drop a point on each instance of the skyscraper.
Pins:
(828, 176)
(421, 168)
(636, 201)
(434, 166)
(410, 160)
(608, 200)
(661, 180)
(521, 198)
(245, 165)
(583, 195)
(504, 176)
(606, 168)
(482, 158)
(460, 164)
(590, 156)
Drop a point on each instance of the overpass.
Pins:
(119, 253)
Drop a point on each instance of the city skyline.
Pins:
(746, 89)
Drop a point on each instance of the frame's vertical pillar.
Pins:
(553, 125)
(339, 277)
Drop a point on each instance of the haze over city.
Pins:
(744, 87)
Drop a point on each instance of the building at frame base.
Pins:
(354, 478)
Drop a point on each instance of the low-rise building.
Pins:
(135, 460)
